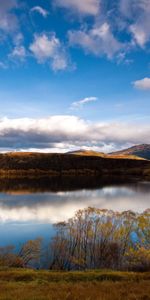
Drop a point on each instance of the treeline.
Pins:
(29, 254)
(96, 239)
(24, 164)
(92, 239)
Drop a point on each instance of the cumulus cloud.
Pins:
(99, 35)
(40, 10)
(99, 40)
(142, 84)
(140, 35)
(82, 102)
(62, 133)
(19, 51)
(8, 19)
(137, 12)
(84, 7)
(48, 48)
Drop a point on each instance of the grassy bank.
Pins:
(97, 285)
(20, 164)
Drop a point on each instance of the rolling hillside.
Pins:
(37, 164)
(104, 155)
(142, 151)
(87, 153)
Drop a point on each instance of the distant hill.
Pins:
(88, 153)
(104, 155)
(142, 151)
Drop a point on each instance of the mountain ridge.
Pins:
(141, 150)
(104, 155)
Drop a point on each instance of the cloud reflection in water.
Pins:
(55, 207)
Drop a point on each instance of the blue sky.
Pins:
(74, 74)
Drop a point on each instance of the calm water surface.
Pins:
(26, 215)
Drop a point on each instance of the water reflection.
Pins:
(55, 207)
(25, 215)
(65, 183)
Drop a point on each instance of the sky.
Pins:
(74, 74)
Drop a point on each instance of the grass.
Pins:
(90, 285)
(104, 155)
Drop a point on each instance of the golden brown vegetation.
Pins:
(142, 150)
(104, 155)
(45, 285)
(96, 239)
(33, 164)
(93, 239)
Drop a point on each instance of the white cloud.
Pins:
(137, 12)
(47, 47)
(99, 40)
(140, 35)
(8, 20)
(62, 133)
(84, 7)
(18, 39)
(82, 102)
(9, 25)
(40, 10)
(60, 206)
(100, 36)
(19, 52)
(143, 84)
(133, 8)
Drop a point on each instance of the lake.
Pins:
(28, 208)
